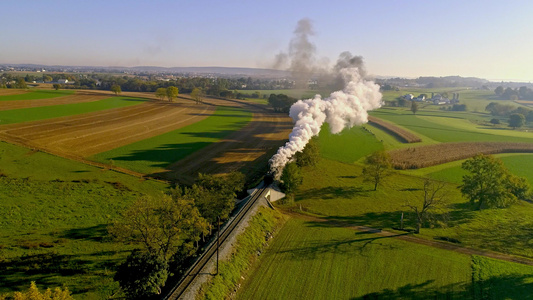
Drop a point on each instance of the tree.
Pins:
(291, 178)
(161, 225)
(499, 91)
(142, 275)
(21, 84)
(196, 94)
(490, 184)
(516, 120)
(172, 92)
(378, 166)
(495, 121)
(115, 88)
(214, 195)
(309, 155)
(161, 93)
(401, 102)
(281, 102)
(56, 86)
(33, 293)
(414, 107)
(431, 204)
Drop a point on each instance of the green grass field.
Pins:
(308, 260)
(37, 94)
(336, 191)
(348, 146)
(153, 154)
(54, 215)
(450, 127)
(56, 111)
(495, 279)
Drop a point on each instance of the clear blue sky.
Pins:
(488, 39)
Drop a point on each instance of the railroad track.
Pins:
(178, 290)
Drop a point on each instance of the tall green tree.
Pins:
(56, 86)
(196, 95)
(309, 155)
(291, 178)
(172, 92)
(116, 89)
(161, 93)
(142, 275)
(160, 225)
(21, 84)
(378, 166)
(490, 184)
(214, 195)
(499, 91)
(414, 107)
(517, 120)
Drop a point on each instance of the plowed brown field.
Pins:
(80, 96)
(87, 134)
(247, 150)
(6, 92)
(79, 136)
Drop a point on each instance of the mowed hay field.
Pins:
(307, 260)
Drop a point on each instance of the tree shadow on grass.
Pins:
(372, 219)
(96, 233)
(46, 268)
(359, 245)
(496, 287)
(164, 155)
(333, 192)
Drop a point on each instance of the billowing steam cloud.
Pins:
(342, 109)
(301, 56)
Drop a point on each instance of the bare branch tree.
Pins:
(431, 205)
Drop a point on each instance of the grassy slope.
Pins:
(500, 280)
(53, 218)
(37, 94)
(56, 111)
(153, 154)
(308, 261)
(348, 146)
(337, 191)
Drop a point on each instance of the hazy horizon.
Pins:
(485, 39)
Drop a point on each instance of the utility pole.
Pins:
(218, 239)
(401, 222)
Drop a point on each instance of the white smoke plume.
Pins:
(342, 109)
(301, 56)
